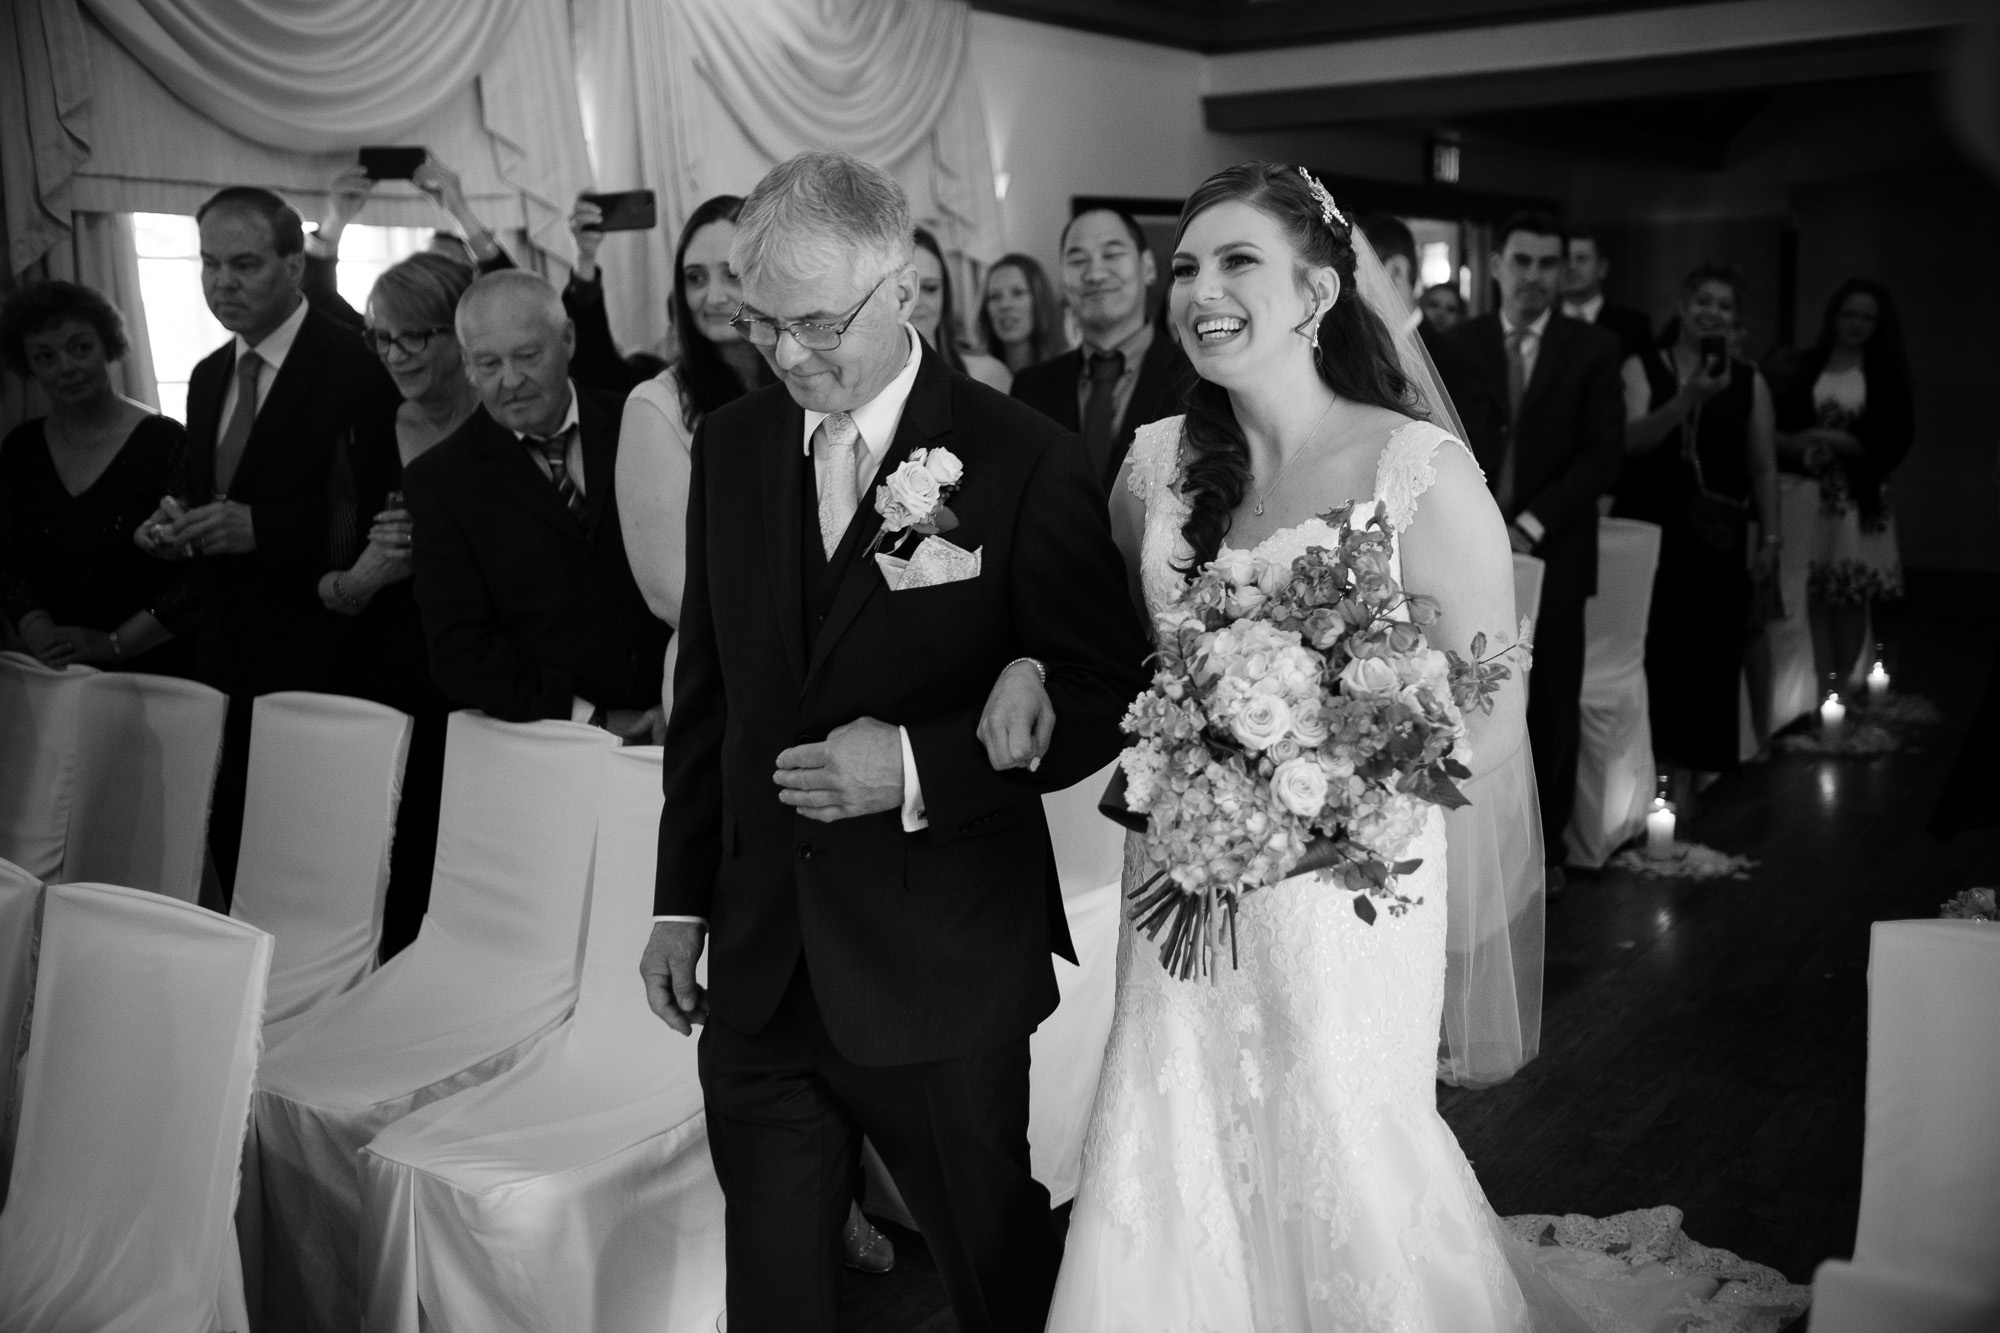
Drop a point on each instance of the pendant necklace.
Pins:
(1258, 508)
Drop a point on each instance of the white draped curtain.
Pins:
(694, 98)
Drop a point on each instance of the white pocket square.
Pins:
(934, 561)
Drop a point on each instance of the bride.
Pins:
(1265, 1151)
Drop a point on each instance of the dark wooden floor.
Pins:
(1704, 1045)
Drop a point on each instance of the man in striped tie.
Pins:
(529, 605)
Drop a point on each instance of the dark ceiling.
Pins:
(1251, 25)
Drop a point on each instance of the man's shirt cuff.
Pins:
(913, 787)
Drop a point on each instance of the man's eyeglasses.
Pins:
(411, 343)
(761, 332)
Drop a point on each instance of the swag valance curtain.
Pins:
(694, 98)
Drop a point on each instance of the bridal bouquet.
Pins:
(1297, 721)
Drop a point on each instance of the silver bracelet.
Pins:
(342, 595)
(117, 653)
(1041, 672)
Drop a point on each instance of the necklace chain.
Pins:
(1258, 508)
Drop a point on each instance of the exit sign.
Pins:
(1442, 165)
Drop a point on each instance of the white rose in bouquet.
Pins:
(1262, 719)
(1239, 567)
(1309, 724)
(1369, 675)
(1300, 786)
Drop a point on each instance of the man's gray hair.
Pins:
(822, 210)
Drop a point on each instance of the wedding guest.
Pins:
(410, 313)
(1847, 421)
(936, 322)
(528, 604)
(1558, 381)
(1701, 462)
(1020, 317)
(1583, 296)
(75, 486)
(477, 247)
(716, 366)
(1478, 409)
(1128, 371)
(1443, 307)
(266, 414)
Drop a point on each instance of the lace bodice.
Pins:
(1405, 470)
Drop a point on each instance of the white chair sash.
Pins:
(575, 1190)
(1528, 572)
(135, 1092)
(326, 772)
(1614, 766)
(492, 971)
(147, 748)
(1927, 1246)
(20, 899)
(39, 712)
(1795, 686)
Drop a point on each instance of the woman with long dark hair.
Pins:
(1847, 420)
(936, 320)
(716, 366)
(1020, 315)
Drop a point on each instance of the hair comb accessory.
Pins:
(1329, 212)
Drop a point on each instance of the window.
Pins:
(178, 324)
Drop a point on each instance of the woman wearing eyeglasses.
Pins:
(409, 314)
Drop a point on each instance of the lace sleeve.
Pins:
(1408, 467)
(1154, 446)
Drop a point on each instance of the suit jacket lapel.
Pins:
(780, 465)
(508, 466)
(600, 461)
(304, 364)
(926, 415)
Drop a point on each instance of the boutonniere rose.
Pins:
(913, 498)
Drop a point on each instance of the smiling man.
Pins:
(860, 849)
(1557, 380)
(266, 412)
(1127, 372)
(529, 606)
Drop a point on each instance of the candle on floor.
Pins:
(1832, 715)
(1878, 681)
(1660, 830)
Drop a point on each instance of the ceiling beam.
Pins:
(1442, 97)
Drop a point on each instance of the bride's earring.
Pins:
(1311, 322)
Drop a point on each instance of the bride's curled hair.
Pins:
(1357, 358)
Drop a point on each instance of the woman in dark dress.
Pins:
(410, 326)
(76, 487)
(1700, 462)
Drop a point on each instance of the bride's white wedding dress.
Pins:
(1265, 1152)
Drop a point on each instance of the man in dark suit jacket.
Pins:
(1583, 297)
(1479, 411)
(528, 603)
(1129, 370)
(880, 911)
(1559, 380)
(267, 417)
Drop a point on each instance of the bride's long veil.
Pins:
(1495, 872)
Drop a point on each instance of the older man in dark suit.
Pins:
(268, 415)
(1129, 370)
(1565, 434)
(528, 603)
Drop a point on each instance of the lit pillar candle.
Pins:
(1660, 830)
(1878, 681)
(1832, 715)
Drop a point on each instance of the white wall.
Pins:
(1074, 113)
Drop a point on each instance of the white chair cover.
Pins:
(135, 1093)
(575, 1190)
(1614, 765)
(20, 895)
(1528, 572)
(492, 971)
(325, 775)
(1066, 1052)
(146, 753)
(1927, 1247)
(1794, 680)
(39, 711)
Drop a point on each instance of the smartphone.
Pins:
(628, 210)
(1715, 354)
(392, 164)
